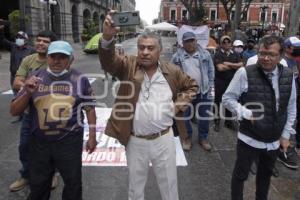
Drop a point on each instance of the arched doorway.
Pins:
(102, 18)
(56, 20)
(75, 25)
(86, 17)
(96, 17)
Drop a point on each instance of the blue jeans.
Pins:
(202, 105)
(23, 146)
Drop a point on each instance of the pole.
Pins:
(47, 15)
(218, 9)
(237, 16)
(22, 15)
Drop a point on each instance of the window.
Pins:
(232, 14)
(173, 15)
(244, 16)
(274, 16)
(184, 15)
(263, 16)
(213, 14)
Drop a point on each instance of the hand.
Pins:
(91, 145)
(228, 64)
(32, 84)
(109, 30)
(284, 144)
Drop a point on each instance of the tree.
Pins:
(196, 11)
(14, 21)
(294, 18)
(229, 6)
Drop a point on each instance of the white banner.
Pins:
(201, 32)
(109, 151)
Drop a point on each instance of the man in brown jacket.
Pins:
(150, 95)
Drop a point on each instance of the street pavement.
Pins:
(207, 176)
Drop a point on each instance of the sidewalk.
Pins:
(4, 70)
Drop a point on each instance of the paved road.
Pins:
(206, 177)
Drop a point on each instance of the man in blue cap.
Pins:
(197, 63)
(57, 97)
(29, 64)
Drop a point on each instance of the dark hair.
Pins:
(268, 40)
(146, 34)
(48, 34)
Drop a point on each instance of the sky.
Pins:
(149, 9)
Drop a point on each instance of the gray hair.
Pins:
(146, 34)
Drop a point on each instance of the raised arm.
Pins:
(111, 62)
(20, 103)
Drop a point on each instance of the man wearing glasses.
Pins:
(151, 93)
(226, 63)
(263, 96)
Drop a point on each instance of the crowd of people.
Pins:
(252, 87)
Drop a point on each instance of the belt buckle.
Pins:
(154, 136)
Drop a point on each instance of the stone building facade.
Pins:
(67, 16)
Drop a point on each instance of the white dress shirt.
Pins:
(155, 108)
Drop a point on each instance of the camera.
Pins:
(126, 18)
(4, 22)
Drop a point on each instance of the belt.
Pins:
(153, 135)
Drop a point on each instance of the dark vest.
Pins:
(260, 91)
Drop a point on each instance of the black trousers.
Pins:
(220, 88)
(63, 155)
(246, 155)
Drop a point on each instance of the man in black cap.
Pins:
(226, 63)
(249, 51)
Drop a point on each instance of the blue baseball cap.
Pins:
(60, 47)
(188, 36)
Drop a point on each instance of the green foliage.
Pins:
(14, 20)
(198, 15)
(91, 28)
(196, 9)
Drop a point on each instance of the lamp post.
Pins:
(48, 3)
(22, 15)
(263, 8)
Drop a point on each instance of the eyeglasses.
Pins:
(267, 54)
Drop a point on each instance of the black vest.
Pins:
(260, 98)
